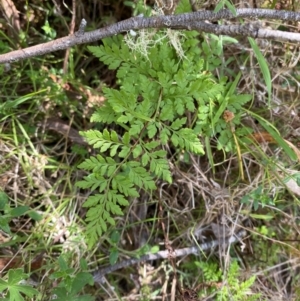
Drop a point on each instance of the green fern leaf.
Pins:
(126, 139)
(120, 100)
(112, 53)
(179, 106)
(152, 130)
(170, 66)
(191, 141)
(92, 137)
(92, 200)
(102, 53)
(119, 199)
(124, 185)
(161, 168)
(164, 136)
(137, 151)
(110, 220)
(99, 214)
(236, 102)
(167, 111)
(104, 114)
(176, 140)
(113, 209)
(153, 93)
(136, 127)
(104, 141)
(101, 168)
(91, 181)
(140, 176)
(92, 163)
(159, 153)
(124, 152)
(164, 80)
(178, 123)
(103, 224)
(190, 103)
(151, 145)
(180, 78)
(93, 232)
(145, 159)
(113, 150)
(111, 170)
(125, 118)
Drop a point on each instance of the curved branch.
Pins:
(184, 21)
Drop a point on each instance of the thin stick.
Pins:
(100, 273)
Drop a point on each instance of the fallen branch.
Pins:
(99, 274)
(188, 21)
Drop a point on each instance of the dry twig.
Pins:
(189, 21)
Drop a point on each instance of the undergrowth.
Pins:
(169, 131)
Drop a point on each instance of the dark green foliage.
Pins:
(150, 107)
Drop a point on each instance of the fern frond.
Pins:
(154, 92)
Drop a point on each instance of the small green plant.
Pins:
(232, 288)
(236, 289)
(258, 198)
(13, 288)
(71, 283)
(156, 92)
(7, 213)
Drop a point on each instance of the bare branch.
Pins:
(248, 30)
(99, 274)
(187, 21)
